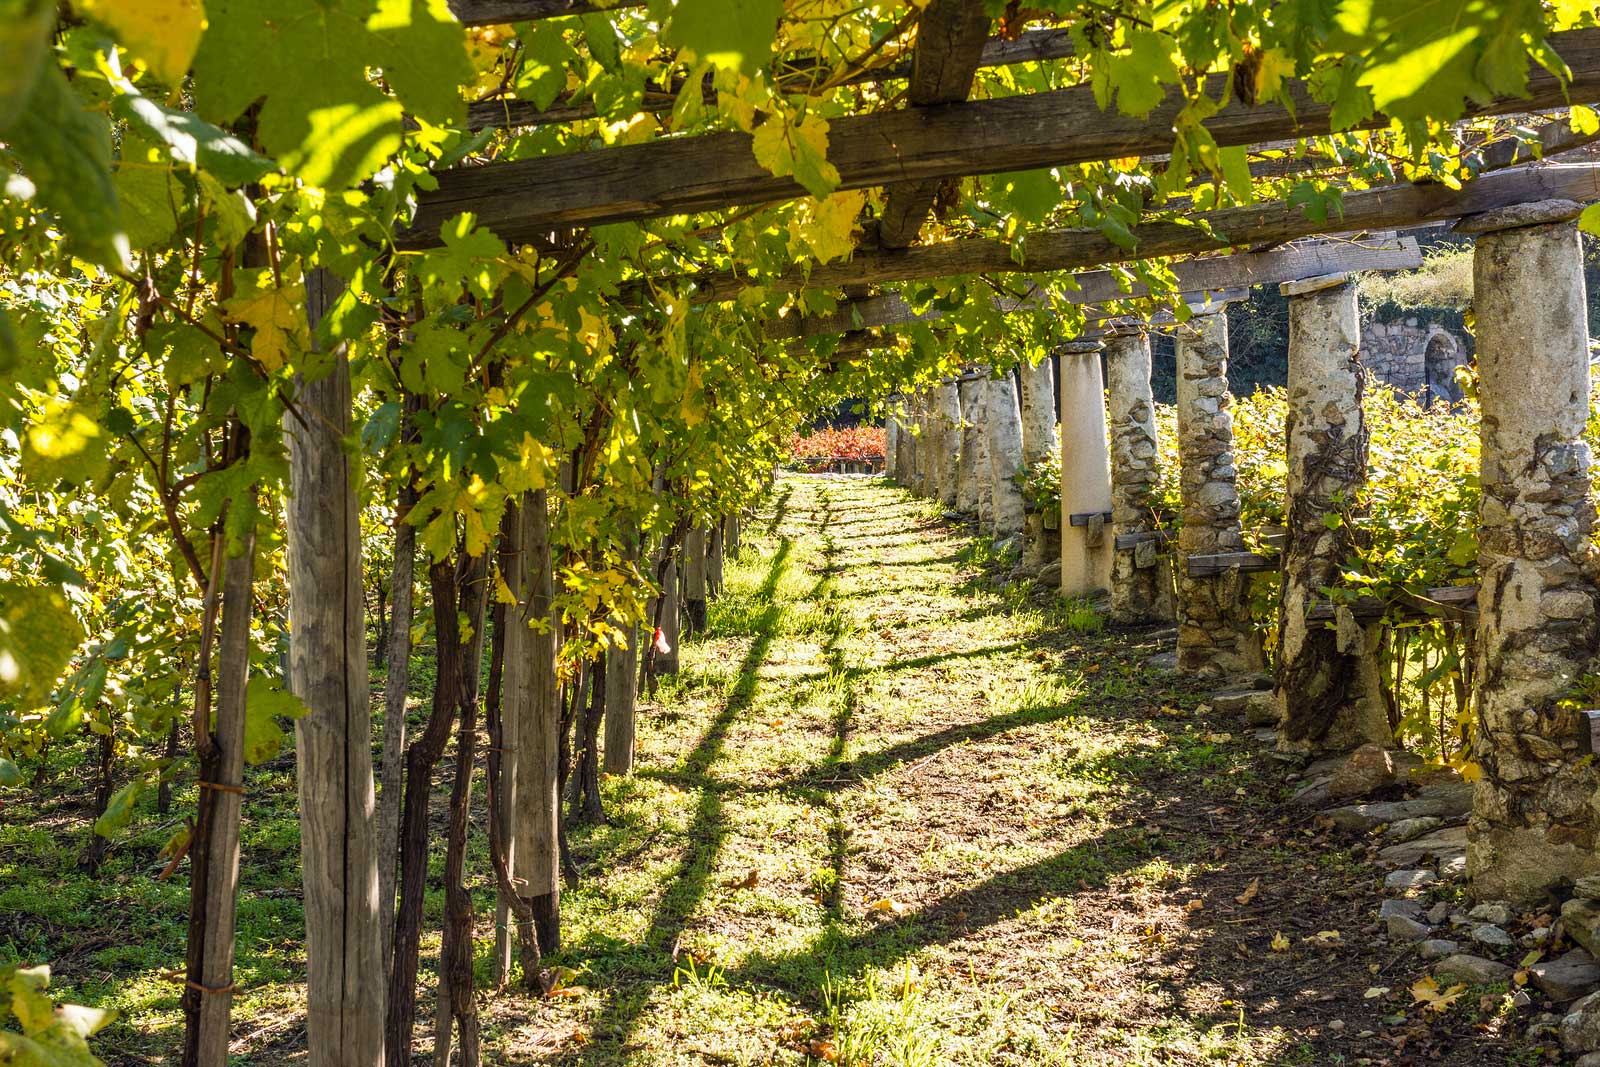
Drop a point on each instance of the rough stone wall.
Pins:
(1535, 821)
(1328, 685)
(1215, 634)
(983, 471)
(1141, 579)
(947, 404)
(968, 485)
(1396, 353)
(1003, 417)
(1038, 410)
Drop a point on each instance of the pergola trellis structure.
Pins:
(1537, 624)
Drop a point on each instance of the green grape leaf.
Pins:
(1142, 75)
(10, 774)
(1426, 59)
(65, 443)
(24, 46)
(732, 36)
(151, 197)
(193, 141)
(119, 809)
(265, 703)
(799, 150)
(321, 118)
(38, 635)
(1589, 221)
(545, 58)
(65, 151)
(1032, 194)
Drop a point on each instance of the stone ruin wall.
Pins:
(1413, 355)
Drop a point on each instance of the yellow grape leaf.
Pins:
(1584, 120)
(1471, 772)
(1250, 893)
(1427, 993)
(502, 591)
(557, 982)
(531, 469)
(797, 150)
(1276, 64)
(893, 907)
(164, 34)
(1279, 942)
(276, 314)
(828, 225)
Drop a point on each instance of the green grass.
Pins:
(895, 809)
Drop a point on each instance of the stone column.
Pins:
(984, 474)
(891, 439)
(967, 481)
(1141, 577)
(1004, 420)
(1215, 634)
(1535, 818)
(947, 404)
(1038, 410)
(919, 445)
(1086, 551)
(1329, 693)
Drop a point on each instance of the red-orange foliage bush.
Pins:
(854, 444)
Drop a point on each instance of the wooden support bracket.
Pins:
(1223, 562)
(1085, 518)
(1455, 602)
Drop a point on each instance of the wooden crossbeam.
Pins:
(1033, 46)
(1207, 566)
(1238, 271)
(1129, 542)
(495, 12)
(526, 199)
(950, 39)
(1084, 518)
(1382, 208)
(1456, 602)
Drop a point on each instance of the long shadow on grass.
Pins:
(686, 888)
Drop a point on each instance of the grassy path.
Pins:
(892, 812)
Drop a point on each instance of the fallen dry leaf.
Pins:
(747, 882)
(1194, 906)
(893, 907)
(820, 1049)
(1279, 942)
(1427, 992)
(1250, 893)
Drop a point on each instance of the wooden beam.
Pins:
(1084, 518)
(1240, 270)
(495, 12)
(1455, 602)
(1223, 562)
(950, 39)
(1034, 46)
(1383, 208)
(526, 199)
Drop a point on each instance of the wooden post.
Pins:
(396, 684)
(208, 1001)
(532, 723)
(1086, 550)
(1534, 824)
(1215, 632)
(1004, 421)
(1141, 574)
(333, 743)
(714, 560)
(1329, 693)
(694, 579)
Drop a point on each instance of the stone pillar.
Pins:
(1141, 577)
(968, 485)
(919, 446)
(1215, 634)
(1004, 421)
(891, 439)
(1038, 410)
(1328, 690)
(1535, 818)
(1086, 550)
(947, 405)
(985, 475)
(694, 579)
